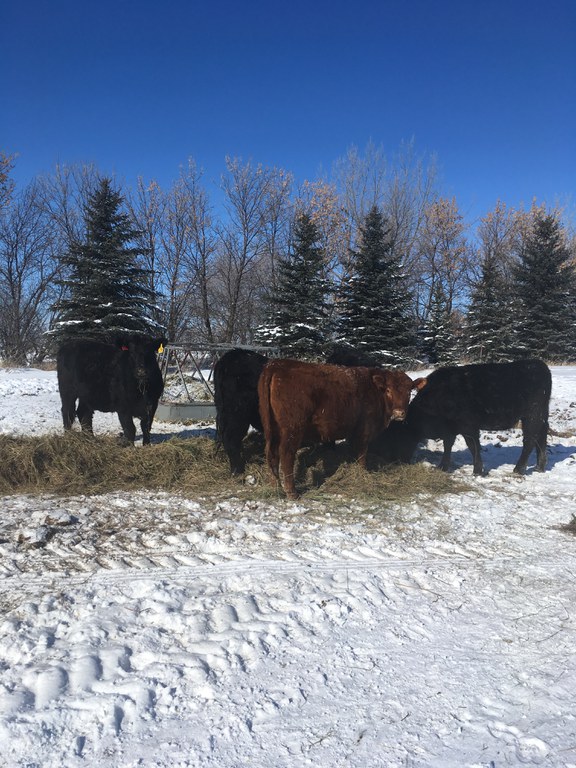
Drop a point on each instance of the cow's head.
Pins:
(140, 352)
(396, 388)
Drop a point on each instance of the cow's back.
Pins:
(88, 369)
(480, 396)
(105, 378)
(321, 401)
(486, 395)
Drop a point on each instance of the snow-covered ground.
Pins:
(155, 630)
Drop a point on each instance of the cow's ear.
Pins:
(122, 342)
(419, 383)
(131, 340)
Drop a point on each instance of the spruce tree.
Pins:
(490, 328)
(298, 307)
(375, 313)
(105, 293)
(545, 282)
(439, 343)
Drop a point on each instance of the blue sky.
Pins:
(138, 87)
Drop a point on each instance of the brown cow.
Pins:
(303, 403)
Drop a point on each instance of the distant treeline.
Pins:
(372, 256)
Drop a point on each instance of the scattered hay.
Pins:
(395, 483)
(328, 472)
(73, 463)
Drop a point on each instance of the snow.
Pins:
(156, 630)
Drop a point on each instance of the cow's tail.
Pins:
(547, 388)
(269, 424)
(219, 403)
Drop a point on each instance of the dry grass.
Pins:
(74, 464)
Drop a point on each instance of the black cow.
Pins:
(124, 378)
(236, 376)
(462, 400)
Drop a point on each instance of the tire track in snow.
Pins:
(236, 567)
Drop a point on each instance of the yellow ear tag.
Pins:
(160, 349)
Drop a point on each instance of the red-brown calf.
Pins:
(305, 403)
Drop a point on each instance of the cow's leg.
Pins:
(404, 445)
(273, 457)
(232, 437)
(68, 411)
(85, 416)
(522, 463)
(127, 426)
(287, 454)
(359, 448)
(541, 454)
(473, 443)
(529, 432)
(146, 426)
(445, 461)
(533, 436)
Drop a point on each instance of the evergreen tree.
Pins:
(375, 314)
(439, 343)
(298, 307)
(490, 329)
(545, 282)
(106, 293)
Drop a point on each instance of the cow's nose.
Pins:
(398, 414)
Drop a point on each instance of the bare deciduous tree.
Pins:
(243, 246)
(146, 207)
(498, 237)
(197, 239)
(177, 230)
(361, 180)
(402, 187)
(443, 257)
(321, 201)
(63, 195)
(278, 219)
(28, 268)
(7, 184)
(410, 191)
